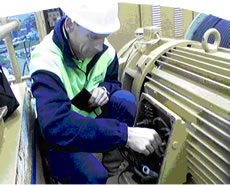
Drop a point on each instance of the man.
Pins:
(80, 106)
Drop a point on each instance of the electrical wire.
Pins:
(138, 163)
(135, 165)
(136, 160)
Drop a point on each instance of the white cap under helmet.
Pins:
(98, 17)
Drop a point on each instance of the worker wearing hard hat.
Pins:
(80, 106)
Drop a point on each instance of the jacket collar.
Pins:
(60, 40)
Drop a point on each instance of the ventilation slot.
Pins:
(196, 86)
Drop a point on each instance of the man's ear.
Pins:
(69, 25)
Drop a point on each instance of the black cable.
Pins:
(135, 165)
(160, 120)
(136, 161)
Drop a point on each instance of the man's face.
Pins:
(84, 43)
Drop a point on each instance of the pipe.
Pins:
(5, 33)
(13, 25)
(39, 17)
(140, 15)
(27, 77)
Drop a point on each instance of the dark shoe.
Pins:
(112, 161)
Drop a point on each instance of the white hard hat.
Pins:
(98, 17)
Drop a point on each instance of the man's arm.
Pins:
(141, 140)
(111, 82)
(144, 140)
(65, 128)
(101, 94)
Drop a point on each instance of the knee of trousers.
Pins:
(126, 101)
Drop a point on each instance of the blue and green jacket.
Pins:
(57, 78)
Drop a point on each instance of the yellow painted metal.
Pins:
(130, 21)
(195, 85)
(9, 143)
(198, 174)
(211, 47)
(213, 161)
(172, 169)
(139, 63)
(133, 16)
(188, 17)
(146, 15)
(39, 17)
(192, 109)
(152, 34)
(167, 25)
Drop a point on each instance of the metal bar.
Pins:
(191, 67)
(202, 58)
(3, 111)
(193, 72)
(12, 81)
(199, 52)
(195, 169)
(215, 139)
(198, 104)
(218, 153)
(13, 25)
(39, 17)
(204, 167)
(199, 63)
(140, 15)
(197, 149)
(196, 178)
(10, 47)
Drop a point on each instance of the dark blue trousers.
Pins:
(83, 167)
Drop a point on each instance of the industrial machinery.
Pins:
(182, 88)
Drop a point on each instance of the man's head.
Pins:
(84, 43)
(87, 25)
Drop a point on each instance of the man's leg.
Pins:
(121, 106)
(77, 168)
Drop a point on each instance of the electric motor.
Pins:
(182, 87)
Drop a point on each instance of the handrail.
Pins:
(12, 25)
(5, 29)
(24, 78)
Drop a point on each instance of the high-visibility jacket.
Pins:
(57, 78)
